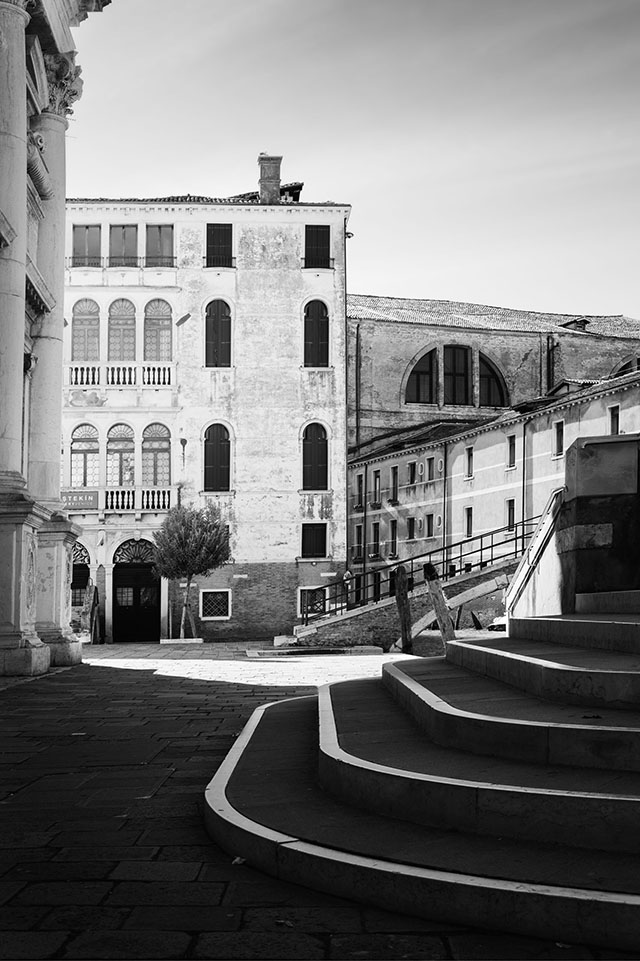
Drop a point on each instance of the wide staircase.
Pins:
(497, 786)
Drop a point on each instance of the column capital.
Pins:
(16, 6)
(65, 83)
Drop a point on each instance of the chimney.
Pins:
(269, 183)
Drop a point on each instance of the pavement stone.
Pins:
(102, 849)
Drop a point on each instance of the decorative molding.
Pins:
(36, 167)
(38, 295)
(65, 83)
(80, 554)
(7, 233)
(134, 552)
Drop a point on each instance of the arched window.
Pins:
(85, 452)
(122, 330)
(218, 334)
(493, 390)
(422, 386)
(85, 331)
(217, 458)
(314, 458)
(120, 452)
(157, 331)
(156, 456)
(80, 574)
(629, 367)
(457, 375)
(316, 334)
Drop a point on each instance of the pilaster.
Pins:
(53, 590)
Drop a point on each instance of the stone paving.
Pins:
(102, 849)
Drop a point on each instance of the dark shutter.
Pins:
(216, 458)
(314, 540)
(219, 240)
(314, 458)
(457, 375)
(218, 334)
(316, 246)
(316, 334)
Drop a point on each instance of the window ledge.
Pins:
(227, 493)
(206, 367)
(316, 490)
(314, 560)
(511, 467)
(557, 456)
(316, 369)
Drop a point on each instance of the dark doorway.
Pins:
(136, 603)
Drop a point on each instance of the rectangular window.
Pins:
(357, 550)
(359, 491)
(123, 246)
(614, 419)
(411, 469)
(429, 525)
(317, 246)
(394, 484)
(376, 583)
(314, 540)
(411, 528)
(312, 601)
(159, 251)
(558, 438)
(468, 522)
(468, 462)
(215, 605)
(377, 496)
(393, 538)
(219, 245)
(84, 468)
(86, 246)
(374, 546)
(457, 375)
(431, 468)
(511, 450)
(511, 514)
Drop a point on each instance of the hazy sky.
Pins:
(490, 149)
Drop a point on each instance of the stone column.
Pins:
(13, 206)
(57, 535)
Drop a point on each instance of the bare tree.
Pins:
(191, 542)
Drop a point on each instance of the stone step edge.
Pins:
(578, 631)
(617, 602)
(568, 914)
(546, 679)
(312, 651)
(544, 742)
(576, 819)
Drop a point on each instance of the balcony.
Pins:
(159, 261)
(317, 263)
(218, 260)
(154, 374)
(84, 260)
(124, 261)
(119, 500)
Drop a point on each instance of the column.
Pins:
(21, 650)
(58, 534)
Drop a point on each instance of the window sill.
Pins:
(314, 560)
(315, 369)
(316, 490)
(510, 467)
(375, 505)
(206, 619)
(393, 501)
(468, 477)
(225, 493)
(557, 456)
(228, 367)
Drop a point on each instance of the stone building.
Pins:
(205, 361)
(39, 82)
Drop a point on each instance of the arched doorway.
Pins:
(80, 577)
(136, 593)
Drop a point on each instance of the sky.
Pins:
(490, 149)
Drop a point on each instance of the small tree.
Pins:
(191, 542)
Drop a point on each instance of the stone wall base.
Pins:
(65, 652)
(26, 661)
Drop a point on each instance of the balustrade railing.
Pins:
(121, 499)
(147, 374)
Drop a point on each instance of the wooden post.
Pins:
(439, 603)
(404, 609)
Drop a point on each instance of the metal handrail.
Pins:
(462, 557)
(537, 543)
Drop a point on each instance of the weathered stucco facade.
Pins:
(39, 82)
(237, 284)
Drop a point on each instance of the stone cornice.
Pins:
(7, 233)
(37, 293)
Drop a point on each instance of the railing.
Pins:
(537, 543)
(121, 499)
(318, 263)
(148, 374)
(159, 262)
(218, 260)
(83, 260)
(86, 261)
(463, 557)
(124, 261)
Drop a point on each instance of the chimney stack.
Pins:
(269, 183)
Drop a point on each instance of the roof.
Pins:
(406, 438)
(458, 314)
(289, 193)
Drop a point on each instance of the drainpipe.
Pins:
(524, 476)
(357, 380)
(444, 510)
(365, 542)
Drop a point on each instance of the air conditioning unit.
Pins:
(420, 469)
(440, 465)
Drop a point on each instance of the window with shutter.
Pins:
(219, 245)
(123, 245)
(218, 334)
(159, 252)
(314, 540)
(316, 334)
(315, 472)
(217, 458)
(317, 248)
(422, 386)
(457, 375)
(86, 246)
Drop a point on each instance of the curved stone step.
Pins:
(263, 804)
(470, 712)
(615, 631)
(570, 674)
(372, 756)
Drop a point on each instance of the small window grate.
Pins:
(215, 604)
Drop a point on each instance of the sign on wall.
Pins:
(80, 500)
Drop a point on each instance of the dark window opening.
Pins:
(493, 392)
(411, 528)
(457, 375)
(614, 420)
(558, 438)
(511, 450)
(219, 245)
(314, 540)
(429, 525)
(316, 334)
(217, 458)
(315, 468)
(123, 246)
(159, 251)
(215, 603)
(422, 386)
(317, 246)
(511, 514)
(86, 247)
(218, 334)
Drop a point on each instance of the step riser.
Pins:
(602, 635)
(619, 602)
(587, 688)
(588, 822)
(530, 910)
(536, 743)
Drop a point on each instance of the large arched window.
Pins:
(85, 453)
(457, 375)
(157, 331)
(493, 391)
(217, 458)
(316, 334)
(314, 458)
(218, 334)
(122, 330)
(422, 386)
(120, 454)
(156, 456)
(85, 331)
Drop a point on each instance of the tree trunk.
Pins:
(404, 609)
(185, 605)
